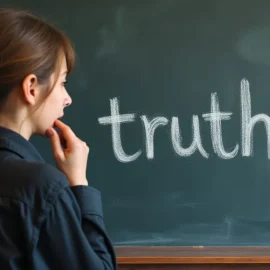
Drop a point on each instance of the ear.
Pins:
(30, 89)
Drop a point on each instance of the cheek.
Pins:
(50, 111)
(56, 100)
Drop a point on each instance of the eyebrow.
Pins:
(65, 72)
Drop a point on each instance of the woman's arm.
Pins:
(73, 235)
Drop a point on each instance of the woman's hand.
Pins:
(70, 153)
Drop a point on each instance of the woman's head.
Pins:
(33, 56)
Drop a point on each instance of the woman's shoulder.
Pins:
(35, 183)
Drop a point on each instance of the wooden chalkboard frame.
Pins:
(196, 257)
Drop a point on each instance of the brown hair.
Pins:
(29, 45)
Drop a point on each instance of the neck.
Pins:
(20, 127)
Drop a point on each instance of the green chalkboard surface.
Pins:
(173, 98)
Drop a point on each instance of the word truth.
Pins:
(215, 117)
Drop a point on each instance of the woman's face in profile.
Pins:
(54, 104)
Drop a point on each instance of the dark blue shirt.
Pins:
(45, 223)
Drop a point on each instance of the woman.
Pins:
(49, 217)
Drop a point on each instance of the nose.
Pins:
(68, 100)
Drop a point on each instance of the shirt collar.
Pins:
(14, 142)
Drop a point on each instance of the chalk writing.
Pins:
(215, 117)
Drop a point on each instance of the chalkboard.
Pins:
(173, 98)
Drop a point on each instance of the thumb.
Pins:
(56, 143)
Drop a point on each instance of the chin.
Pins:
(41, 131)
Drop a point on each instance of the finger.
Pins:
(67, 132)
(56, 144)
(62, 140)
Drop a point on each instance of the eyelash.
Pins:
(65, 83)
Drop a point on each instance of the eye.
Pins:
(64, 83)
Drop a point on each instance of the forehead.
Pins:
(63, 64)
(61, 70)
